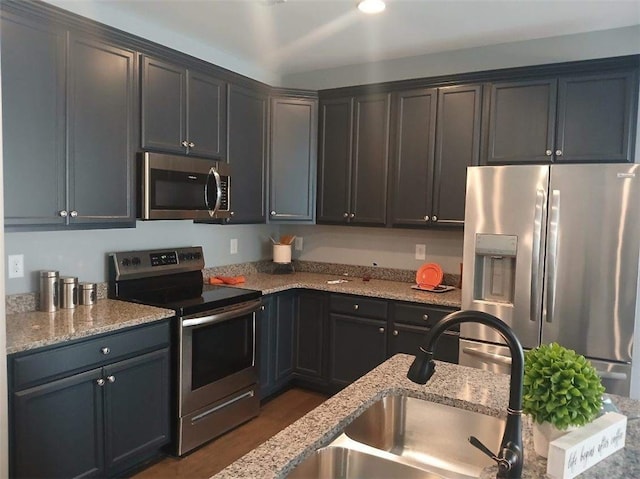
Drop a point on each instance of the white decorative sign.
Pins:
(577, 451)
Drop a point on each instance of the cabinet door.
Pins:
(370, 160)
(102, 125)
(266, 342)
(357, 346)
(247, 153)
(284, 337)
(311, 319)
(334, 168)
(292, 159)
(457, 147)
(163, 106)
(136, 409)
(33, 107)
(57, 428)
(595, 117)
(413, 153)
(206, 115)
(408, 339)
(522, 122)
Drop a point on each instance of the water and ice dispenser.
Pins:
(495, 268)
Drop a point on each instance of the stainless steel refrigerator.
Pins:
(553, 251)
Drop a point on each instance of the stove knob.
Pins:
(125, 262)
(182, 256)
(135, 261)
(197, 255)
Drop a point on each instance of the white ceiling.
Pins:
(305, 35)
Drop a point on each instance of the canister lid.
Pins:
(85, 286)
(68, 279)
(49, 274)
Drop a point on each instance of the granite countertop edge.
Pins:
(453, 385)
(34, 329)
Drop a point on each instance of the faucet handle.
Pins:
(506, 462)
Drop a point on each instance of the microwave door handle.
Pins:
(216, 176)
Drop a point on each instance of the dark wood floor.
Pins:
(218, 454)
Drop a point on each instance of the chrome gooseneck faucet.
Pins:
(510, 458)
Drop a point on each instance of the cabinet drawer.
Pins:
(56, 362)
(358, 306)
(420, 315)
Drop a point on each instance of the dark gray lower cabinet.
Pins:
(311, 338)
(357, 346)
(98, 422)
(276, 329)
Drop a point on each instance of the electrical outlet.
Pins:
(16, 265)
(234, 246)
(421, 251)
(298, 243)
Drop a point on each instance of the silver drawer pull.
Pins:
(111, 379)
(381, 330)
(395, 332)
(425, 317)
(105, 350)
(356, 307)
(100, 382)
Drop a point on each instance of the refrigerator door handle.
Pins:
(612, 375)
(490, 357)
(552, 255)
(536, 255)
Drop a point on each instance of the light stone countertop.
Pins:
(376, 288)
(454, 385)
(36, 329)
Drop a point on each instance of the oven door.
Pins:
(217, 355)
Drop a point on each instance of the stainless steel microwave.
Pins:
(181, 187)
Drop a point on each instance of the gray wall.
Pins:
(83, 253)
(584, 46)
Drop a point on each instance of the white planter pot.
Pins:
(543, 434)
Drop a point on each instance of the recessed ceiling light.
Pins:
(371, 6)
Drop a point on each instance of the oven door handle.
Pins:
(224, 315)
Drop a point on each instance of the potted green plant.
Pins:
(561, 391)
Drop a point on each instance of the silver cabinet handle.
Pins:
(111, 379)
(231, 213)
(395, 332)
(425, 317)
(74, 213)
(100, 382)
(558, 152)
(345, 215)
(105, 350)
(191, 144)
(381, 330)
(184, 143)
(426, 218)
(548, 152)
(352, 215)
(63, 213)
(356, 307)
(273, 213)
(434, 218)
(262, 308)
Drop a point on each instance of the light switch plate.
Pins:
(298, 243)
(421, 251)
(233, 249)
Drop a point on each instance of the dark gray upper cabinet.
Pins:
(334, 166)
(68, 127)
(354, 151)
(292, 159)
(102, 143)
(183, 111)
(247, 153)
(33, 107)
(436, 137)
(587, 117)
(522, 121)
(596, 117)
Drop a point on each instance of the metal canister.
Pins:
(88, 293)
(68, 292)
(49, 291)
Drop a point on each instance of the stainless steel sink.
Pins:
(410, 438)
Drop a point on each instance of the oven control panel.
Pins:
(137, 264)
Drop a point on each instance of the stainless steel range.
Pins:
(214, 346)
